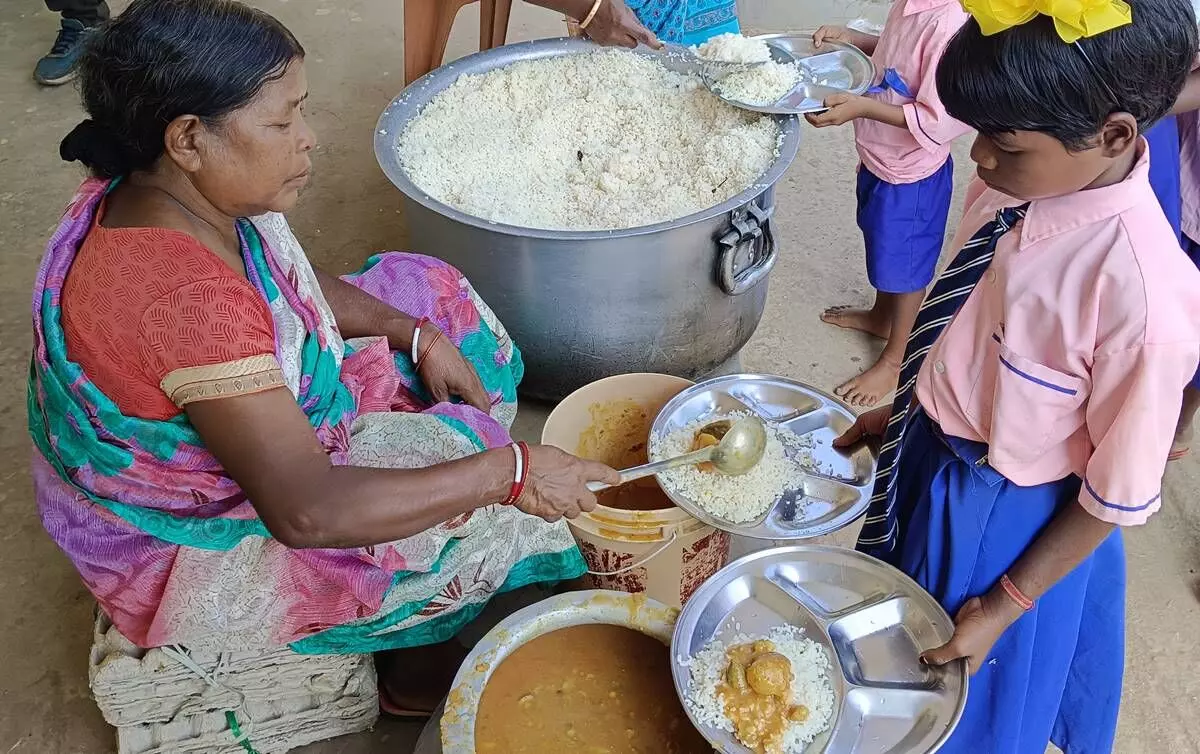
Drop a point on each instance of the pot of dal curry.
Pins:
(586, 672)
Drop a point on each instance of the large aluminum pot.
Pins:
(678, 297)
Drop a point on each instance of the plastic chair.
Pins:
(427, 25)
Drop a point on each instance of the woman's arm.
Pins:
(359, 314)
(444, 370)
(266, 444)
(614, 24)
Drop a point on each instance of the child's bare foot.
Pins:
(1182, 444)
(871, 386)
(870, 321)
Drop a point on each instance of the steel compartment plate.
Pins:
(836, 487)
(872, 621)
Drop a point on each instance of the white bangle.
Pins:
(520, 462)
(416, 354)
(591, 14)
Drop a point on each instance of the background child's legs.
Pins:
(1191, 395)
(903, 227)
(1163, 139)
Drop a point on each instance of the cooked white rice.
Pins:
(810, 684)
(761, 85)
(734, 48)
(594, 141)
(737, 498)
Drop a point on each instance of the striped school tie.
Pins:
(953, 286)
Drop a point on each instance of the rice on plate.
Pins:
(762, 85)
(810, 684)
(734, 48)
(741, 498)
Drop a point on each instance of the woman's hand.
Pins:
(556, 483)
(977, 627)
(446, 372)
(872, 424)
(861, 40)
(617, 26)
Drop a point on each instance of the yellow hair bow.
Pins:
(1073, 19)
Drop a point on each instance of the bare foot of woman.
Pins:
(414, 681)
(872, 321)
(871, 386)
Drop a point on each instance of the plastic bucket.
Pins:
(664, 553)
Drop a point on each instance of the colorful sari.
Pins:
(175, 553)
(687, 22)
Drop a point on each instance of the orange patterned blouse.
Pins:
(157, 320)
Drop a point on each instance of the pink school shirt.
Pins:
(914, 36)
(1071, 355)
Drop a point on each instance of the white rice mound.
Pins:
(733, 48)
(761, 85)
(810, 684)
(743, 498)
(602, 140)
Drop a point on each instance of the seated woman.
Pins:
(234, 448)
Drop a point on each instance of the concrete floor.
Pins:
(354, 69)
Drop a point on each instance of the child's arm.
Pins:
(1069, 539)
(1131, 414)
(925, 117)
(860, 39)
(843, 108)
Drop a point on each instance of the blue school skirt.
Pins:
(1055, 674)
(903, 226)
(1163, 138)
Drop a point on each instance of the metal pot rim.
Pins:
(410, 102)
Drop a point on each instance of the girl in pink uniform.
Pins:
(905, 176)
(1043, 378)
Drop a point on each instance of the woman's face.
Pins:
(256, 159)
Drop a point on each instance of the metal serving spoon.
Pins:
(741, 446)
(714, 68)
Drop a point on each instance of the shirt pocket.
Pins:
(1032, 407)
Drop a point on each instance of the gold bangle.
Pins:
(591, 14)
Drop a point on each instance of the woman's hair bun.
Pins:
(96, 147)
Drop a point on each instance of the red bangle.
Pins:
(521, 452)
(1015, 594)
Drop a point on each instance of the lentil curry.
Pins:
(594, 689)
(617, 436)
(757, 692)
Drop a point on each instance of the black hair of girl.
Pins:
(162, 59)
(1028, 79)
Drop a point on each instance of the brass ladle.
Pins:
(740, 447)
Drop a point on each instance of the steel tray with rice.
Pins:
(810, 649)
(803, 487)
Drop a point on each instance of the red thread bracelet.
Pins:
(436, 336)
(1015, 594)
(521, 452)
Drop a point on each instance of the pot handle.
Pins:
(751, 237)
